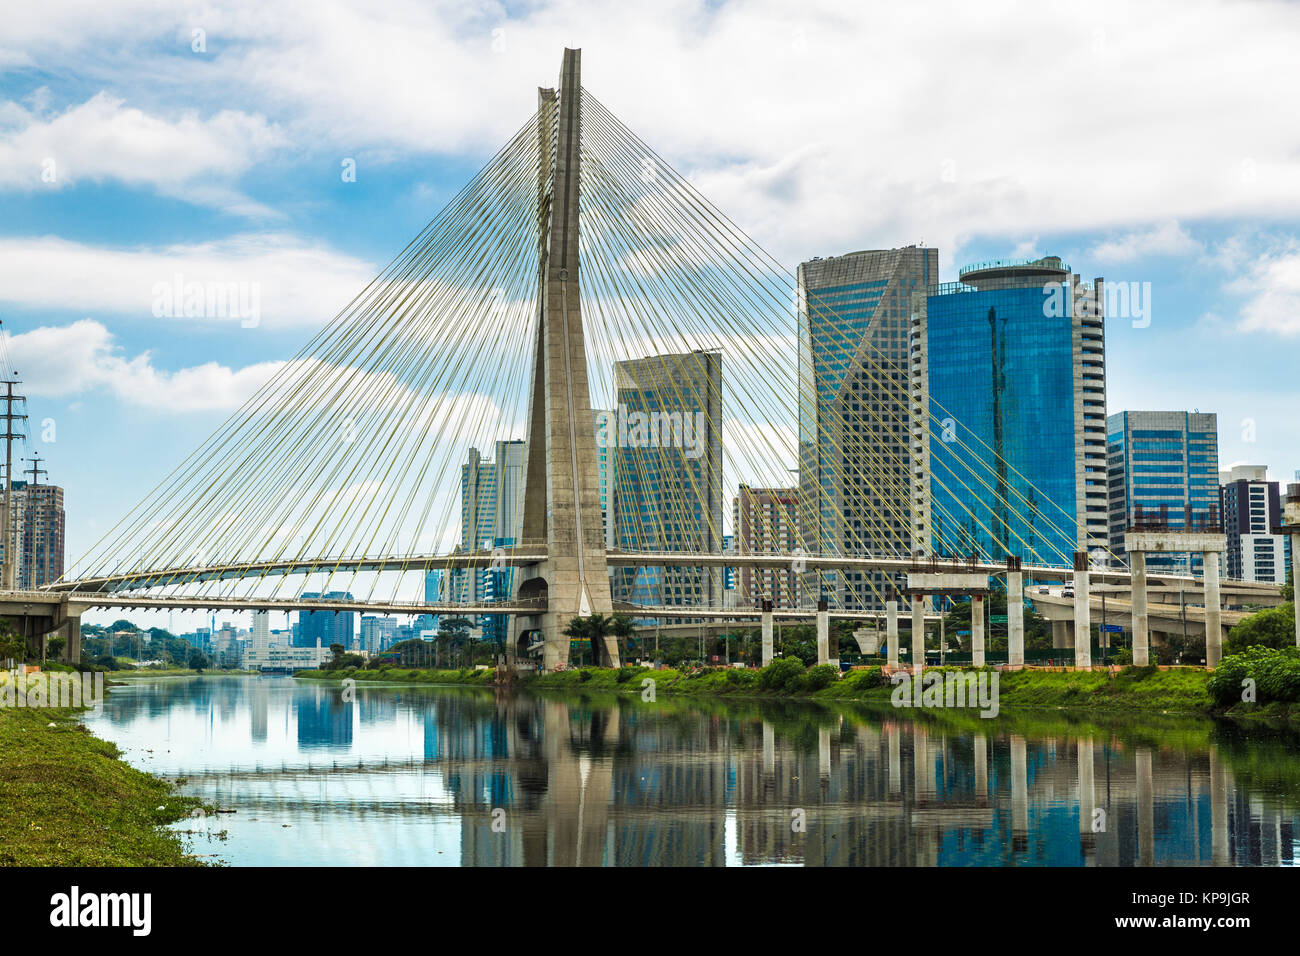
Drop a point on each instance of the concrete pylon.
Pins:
(1082, 612)
(1137, 561)
(891, 630)
(823, 633)
(767, 633)
(1213, 610)
(977, 630)
(918, 634)
(1015, 613)
(562, 490)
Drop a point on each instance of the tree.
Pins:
(593, 629)
(199, 661)
(11, 644)
(1271, 627)
(624, 632)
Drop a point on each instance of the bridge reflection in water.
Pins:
(412, 776)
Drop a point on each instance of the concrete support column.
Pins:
(894, 738)
(977, 630)
(1087, 791)
(1019, 793)
(1213, 610)
(1141, 628)
(823, 633)
(769, 749)
(1146, 809)
(1082, 612)
(70, 626)
(918, 634)
(891, 631)
(824, 751)
(981, 768)
(1015, 614)
(1295, 578)
(767, 633)
(1062, 635)
(1218, 811)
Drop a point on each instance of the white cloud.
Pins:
(188, 157)
(296, 283)
(59, 361)
(818, 128)
(1166, 239)
(1272, 287)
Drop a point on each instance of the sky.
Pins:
(298, 148)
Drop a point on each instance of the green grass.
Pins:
(1175, 691)
(67, 800)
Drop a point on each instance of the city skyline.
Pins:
(106, 371)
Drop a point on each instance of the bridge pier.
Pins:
(891, 630)
(977, 630)
(918, 634)
(1082, 613)
(1138, 594)
(823, 632)
(767, 633)
(1062, 635)
(1015, 614)
(1213, 609)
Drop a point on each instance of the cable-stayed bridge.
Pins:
(574, 251)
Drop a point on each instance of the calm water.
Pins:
(412, 776)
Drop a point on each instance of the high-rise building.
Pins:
(1251, 506)
(1011, 363)
(261, 630)
(766, 521)
(491, 514)
(38, 529)
(326, 627)
(857, 488)
(668, 474)
(606, 422)
(377, 632)
(1167, 465)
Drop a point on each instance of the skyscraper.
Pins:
(1251, 506)
(766, 522)
(856, 484)
(668, 474)
(1167, 464)
(1011, 363)
(491, 515)
(38, 530)
(326, 627)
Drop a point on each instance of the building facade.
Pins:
(766, 521)
(1010, 362)
(857, 488)
(1251, 507)
(491, 514)
(1167, 465)
(323, 628)
(38, 529)
(668, 474)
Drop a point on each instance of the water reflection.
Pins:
(411, 776)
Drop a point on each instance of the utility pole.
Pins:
(36, 471)
(7, 575)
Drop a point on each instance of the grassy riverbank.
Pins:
(1175, 691)
(67, 800)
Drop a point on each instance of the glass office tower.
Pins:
(1013, 359)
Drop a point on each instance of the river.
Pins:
(407, 776)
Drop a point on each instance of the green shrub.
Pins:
(866, 679)
(1276, 674)
(785, 674)
(625, 674)
(584, 675)
(823, 675)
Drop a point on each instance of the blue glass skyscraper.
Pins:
(1012, 369)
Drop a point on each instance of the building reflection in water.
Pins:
(559, 781)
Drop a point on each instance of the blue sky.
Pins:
(1144, 145)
